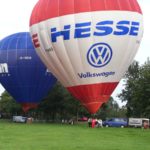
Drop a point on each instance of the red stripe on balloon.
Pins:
(92, 96)
(46, 9)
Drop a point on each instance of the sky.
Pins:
(15, 15)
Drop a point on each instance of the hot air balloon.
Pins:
(87, 44)
(22, 73)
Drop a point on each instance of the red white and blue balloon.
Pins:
(87, 44)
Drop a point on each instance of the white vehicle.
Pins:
(137, 122)
(19, 119)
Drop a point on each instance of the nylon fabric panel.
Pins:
(50, 55)
(98, 5)
(67, 52)
(115, 4)
(99, 90)
(134, 4)
(70, 52)
(64, 7)
(62, 55)
(94, 95)
(82, 6)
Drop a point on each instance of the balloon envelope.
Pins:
(22, 73)
(87, 44)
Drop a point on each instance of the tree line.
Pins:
(137, 90)
(60, 104)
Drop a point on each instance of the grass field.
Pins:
(16, 136)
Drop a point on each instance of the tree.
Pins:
(137, 90)
(111, 109)
(8, 105)
(56, 105)
(60, 104)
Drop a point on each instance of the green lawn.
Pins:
(16, 136)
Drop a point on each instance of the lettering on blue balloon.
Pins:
(3, 68)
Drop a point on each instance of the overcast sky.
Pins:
(15, 15)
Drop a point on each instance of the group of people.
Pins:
(94, 122)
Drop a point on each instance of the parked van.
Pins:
(138, 122)
(19, 119)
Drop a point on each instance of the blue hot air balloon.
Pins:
(22, 73)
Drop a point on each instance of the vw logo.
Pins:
(99, 55)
